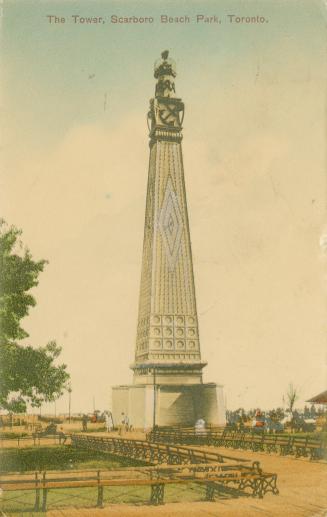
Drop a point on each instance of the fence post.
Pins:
(100, 492)
(45, 494)
(157, 494)
(37, 493)
(210, 491)
(305, 452)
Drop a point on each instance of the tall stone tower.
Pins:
(167, 333)
(168, 387)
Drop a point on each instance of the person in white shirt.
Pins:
(108, 420)
(200, 426)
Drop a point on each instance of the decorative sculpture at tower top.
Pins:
(166, 110)
(165, 72)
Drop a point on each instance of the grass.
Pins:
(93, 430)
(58, 458)
(21, 503)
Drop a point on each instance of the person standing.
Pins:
(121, 425)
(62, 436)
(200, 426)
(84, 422)
(108, 420)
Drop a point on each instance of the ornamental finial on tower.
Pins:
(165, 72)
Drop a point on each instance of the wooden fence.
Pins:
(284, 444)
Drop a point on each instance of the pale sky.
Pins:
(75, 158)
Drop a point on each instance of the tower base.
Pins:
(148, 405)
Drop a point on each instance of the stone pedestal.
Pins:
(168, 404)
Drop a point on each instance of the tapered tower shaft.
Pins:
(167, 334)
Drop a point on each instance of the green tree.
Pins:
(27, 374)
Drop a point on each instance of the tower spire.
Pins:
(168, 335)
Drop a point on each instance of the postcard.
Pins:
(163, 246)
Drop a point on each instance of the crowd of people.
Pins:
(276, 420)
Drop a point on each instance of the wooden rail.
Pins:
(213, 476)
(186, 436)
(285, 444)
(36, 439)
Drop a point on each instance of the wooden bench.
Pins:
(186, 436)
(149, 452)
(35, 438)
(284, 444)
(307, 446)
(213, 476)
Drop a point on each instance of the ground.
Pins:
(302, 484)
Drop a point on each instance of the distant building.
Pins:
(319, 399)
